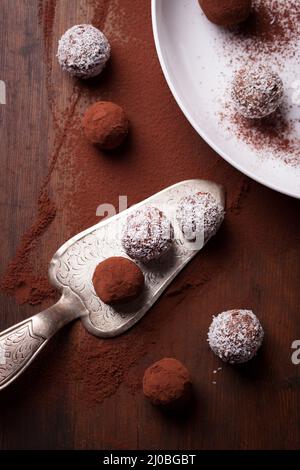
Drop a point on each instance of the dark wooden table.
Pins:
(254, 261)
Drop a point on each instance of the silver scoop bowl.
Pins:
(71, 271)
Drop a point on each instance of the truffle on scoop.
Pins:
(226, 12)
(147, 235)
(167, 383)
(235, 336)
(105, 124)
(118, 279)
(257, 91)
(199, 216)
(83, 51)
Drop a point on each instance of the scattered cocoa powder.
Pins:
(271, 27)
(272, 133)
(46, 11)
(18, 279)
(99, 12)
(94, 367)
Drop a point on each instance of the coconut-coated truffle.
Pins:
(83, 51)
(226, 12)
(167, 383)
(105, 124)
(199, 216)
(118, 279)
(235, 336)
(257, 91)
(147, 235)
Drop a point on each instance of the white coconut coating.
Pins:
(199, 216)
(147, 235)
(257, 91)
(235, 336)
(83, 51)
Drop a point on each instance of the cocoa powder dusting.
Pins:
(99, 12)
(98, 367)
(273, 133)
(19, 279)
(271, 27)
(46, 11)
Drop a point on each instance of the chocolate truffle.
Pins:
(167, 383)
(226, 12)
(257, 91)
(118, 279)
(105, 124)
(199, 216)
(83, 51)
(235, 336)
(148, 234)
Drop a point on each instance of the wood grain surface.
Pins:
(254, 261)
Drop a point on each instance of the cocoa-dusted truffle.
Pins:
(199, 216)
(83, 51)
(148, 234)
(257, 91)
(118, 279)
(105, 124)
(226, 12)
(235, 336)
(167, 383)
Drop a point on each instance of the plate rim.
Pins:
(197, 128)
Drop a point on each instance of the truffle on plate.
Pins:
(257, 91)
(105, 124)
(235, 336)
(83, 51)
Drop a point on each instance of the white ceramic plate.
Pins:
(188, 47)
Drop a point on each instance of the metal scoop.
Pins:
(71, 271)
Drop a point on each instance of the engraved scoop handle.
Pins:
(21, 343)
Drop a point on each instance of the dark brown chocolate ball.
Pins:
(118, 279)
(226, 12)
(167, 383)
(105, 124)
